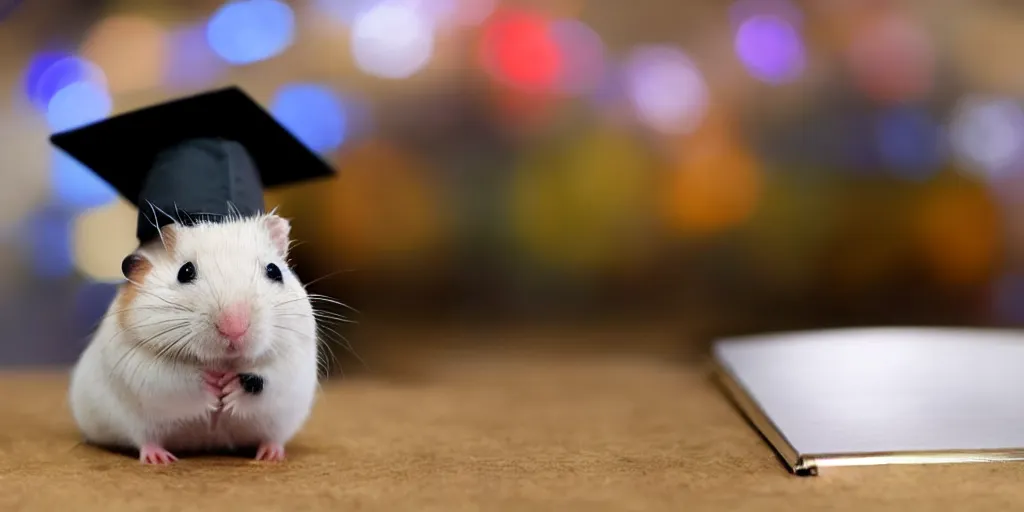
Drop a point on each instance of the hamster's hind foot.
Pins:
(155, 454)
(270, 452)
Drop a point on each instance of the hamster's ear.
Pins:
(280, 232)
(135, 266)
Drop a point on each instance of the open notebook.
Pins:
(881, 395)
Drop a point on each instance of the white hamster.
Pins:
(202, 305)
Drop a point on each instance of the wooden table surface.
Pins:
(499, 432)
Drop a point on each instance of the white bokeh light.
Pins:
(392, 40)
(667, 91)
(988, 134)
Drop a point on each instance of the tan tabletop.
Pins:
(504, 433)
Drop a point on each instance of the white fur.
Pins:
(123, 394)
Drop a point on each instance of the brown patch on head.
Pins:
(169, 235)
(135, 267)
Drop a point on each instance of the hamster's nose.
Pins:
(233, 322)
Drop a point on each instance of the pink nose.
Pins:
(233, 322)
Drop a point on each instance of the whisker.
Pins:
(133, 308)
(147, 293)
(142, 342)
(321, 365)
(345, 343)
(174, 348)
(328, 276)
(333, 357)
(322, 315)
(143, 325)
(331, 300)
(289, 301)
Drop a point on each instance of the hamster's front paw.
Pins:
(214, 382)
(233, 395)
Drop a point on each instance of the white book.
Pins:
(865, 396)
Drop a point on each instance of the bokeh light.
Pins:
(583, 52)
(667, 91)
(987, 133)
(437, 12)
(49, 72)
(76, 186)
(581, 208)
(102, 237)
(313, 113)
(771, 49)
(37, 66)
(383, 208)
(76, 105)
(473, 12)
(519, 48)
(191, 61)
(958, 228)
(248, 31)
(131, 50)
(892, 60)
(716, 184)
(392, 40)
(909, 142)
(344, 12)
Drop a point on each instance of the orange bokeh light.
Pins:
(131, 50)
(716, 184)
(381, 208)
(959, 232)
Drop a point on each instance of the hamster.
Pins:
(205, 303)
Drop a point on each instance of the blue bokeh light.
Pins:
(76, 186)
(909, 142)
(51, 71)
(313, 113)
(76, 105)
(37, 67)
(46, 237)
(247, 31)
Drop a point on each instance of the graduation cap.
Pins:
(202, 158)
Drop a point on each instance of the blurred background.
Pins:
(620, 173)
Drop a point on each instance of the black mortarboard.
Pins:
(204, 158)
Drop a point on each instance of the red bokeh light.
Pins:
(519, 48)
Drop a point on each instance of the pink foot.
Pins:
(270, 452)
(154, 454)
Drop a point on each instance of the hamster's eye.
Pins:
(274, 273)
(187, 273)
